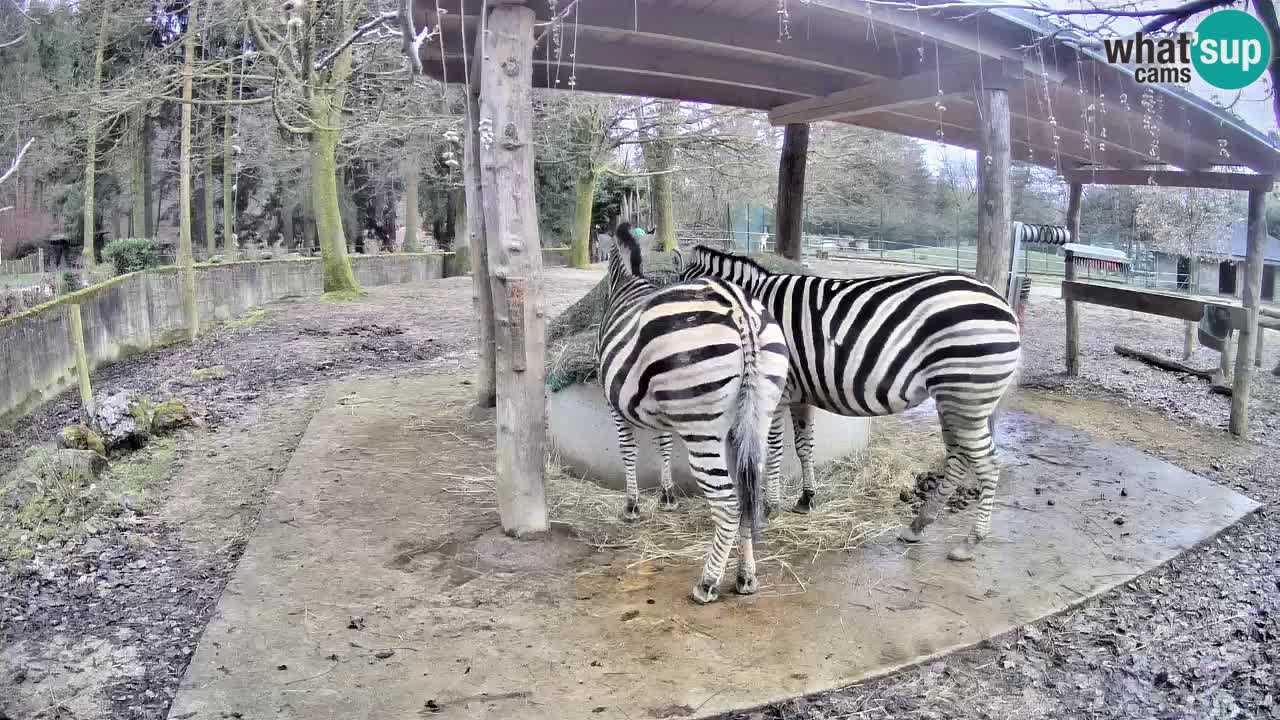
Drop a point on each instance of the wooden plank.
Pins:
(75, 326)
(515, 265)
(1251, 299)
(994, 207)
(789, 210)
(927, 87)
(1170, 178)
(481, 291)
(1073, 318)
(1179, 307)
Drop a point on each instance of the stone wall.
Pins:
(140, 311)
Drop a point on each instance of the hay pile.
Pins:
(571, 336)
(859, 499)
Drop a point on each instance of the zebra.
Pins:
(701, 360)
(878, 346)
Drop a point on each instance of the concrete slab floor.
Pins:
(378, 585)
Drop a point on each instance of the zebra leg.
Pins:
(773, 466)
(627, 444)
(746, 584)
(708, 466)
(802, 422)
(667, 500)
(981, 453)
(953, 473)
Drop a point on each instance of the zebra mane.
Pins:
(706, 257)
(624, 241)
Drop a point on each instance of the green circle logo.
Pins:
(1232, 49)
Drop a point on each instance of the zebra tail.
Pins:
(746, 440)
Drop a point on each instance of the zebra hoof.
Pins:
(770, 508)
(804, 505)
(746, 585)
(907, 535)
(632, 512)
(961, 553)
(706, 592)
(667, 501)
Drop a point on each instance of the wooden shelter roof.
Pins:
(877, 67)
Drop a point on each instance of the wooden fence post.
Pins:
(1251, 298)
(788, 212)
(1069, 271)
(515, 265)
(76, 329)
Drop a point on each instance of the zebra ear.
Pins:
(677, 260)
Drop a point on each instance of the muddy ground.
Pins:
(104, 627)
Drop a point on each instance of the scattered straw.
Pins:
(859, 499)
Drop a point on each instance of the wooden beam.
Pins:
(994, 198)
(1171, 178)
(1073, 318)
(1251, 299)
(481, 290)
(515, 266)
(789, 209)
(1179, 307)
(927, 87)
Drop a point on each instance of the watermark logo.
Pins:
(1230, 50)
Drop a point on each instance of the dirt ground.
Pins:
(105, 627)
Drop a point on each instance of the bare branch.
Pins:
(1182, 12)
(356, 35)
(17, 161)
(15, 41)
(1267, 14)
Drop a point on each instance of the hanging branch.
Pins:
(17, 161)
(1267, 14)
(412, 39)
(356, 35)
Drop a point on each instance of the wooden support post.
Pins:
(1073, 317)
(75, 326)
(40, 260)
(478, 248)
(789, 211)
(1257, 353)
(1188, 340)
(1251, 298)
(993, 188)
(515, 264)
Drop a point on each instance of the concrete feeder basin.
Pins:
(585, 439)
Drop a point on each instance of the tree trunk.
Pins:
(229, 243)
(478, 247)
(994, 248)
(515, 257)
(412, 220)
(286, 222)
(338, 276)
(662, 155)
(152, 219)
(138, 219)
(789, 209)
(1251, 298)
(187, 276)
(1188, 340)
(91, 147)
(584, 196)
(210, 243)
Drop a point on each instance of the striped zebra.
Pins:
(701, 360)
(878, 346)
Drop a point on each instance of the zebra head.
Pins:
(708, 262)
(624, 261)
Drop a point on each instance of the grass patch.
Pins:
(45, 500)
(253, 317)
(344, 296)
